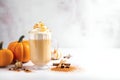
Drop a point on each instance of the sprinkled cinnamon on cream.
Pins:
(41, 26)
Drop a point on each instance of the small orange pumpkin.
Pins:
(20, 49)
(6, 56)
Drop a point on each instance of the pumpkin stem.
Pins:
(21, 38)
(1, 44)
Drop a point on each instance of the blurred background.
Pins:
(74, 23)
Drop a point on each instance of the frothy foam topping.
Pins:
(40, 31)
(41, 27)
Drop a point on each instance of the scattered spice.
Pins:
(26, 70)
(14, 69)
(19, 67)
(59, 69)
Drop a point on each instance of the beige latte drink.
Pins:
(40, 45)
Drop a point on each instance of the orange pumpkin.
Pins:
(6, 56)
(20, 49)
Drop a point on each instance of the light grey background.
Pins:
(74, 23)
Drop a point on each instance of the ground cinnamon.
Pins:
(59, 69)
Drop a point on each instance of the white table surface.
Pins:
(100, 64)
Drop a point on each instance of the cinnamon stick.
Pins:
(66, 64)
